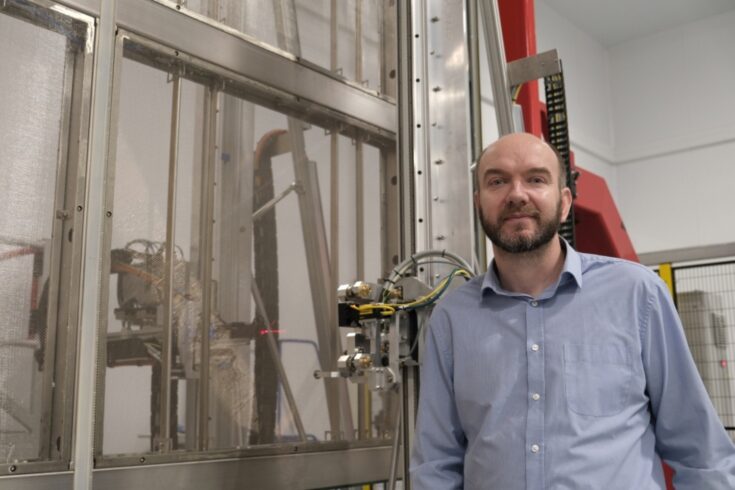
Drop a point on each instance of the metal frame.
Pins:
(498, 69)
(93, 251)
(315, 243)
(109, 184)
(292, 471)
(278, 70)
(257, 73)
(66, 247)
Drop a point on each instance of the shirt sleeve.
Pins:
(437, 460)
(690, 436)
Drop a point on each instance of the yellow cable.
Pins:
(390, 309)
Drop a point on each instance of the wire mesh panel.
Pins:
(233, 192)
(35, 82)
(343, 36)
(706, 300)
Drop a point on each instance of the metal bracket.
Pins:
(533, 67)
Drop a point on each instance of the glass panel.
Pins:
(32, 89)
(257, 18)
(135, 311)
(706, 302)
(262, 320)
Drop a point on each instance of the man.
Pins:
(558, 370)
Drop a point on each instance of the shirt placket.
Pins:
(535, 444)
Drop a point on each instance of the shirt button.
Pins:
(535, 347)
(535, 397)
(534, 303)
(535, 448)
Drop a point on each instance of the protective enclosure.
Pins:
(225, 207)
(705, 298)
(44, 96)
(218, 304)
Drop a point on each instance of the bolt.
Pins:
(440, 237)
(439, 161)
(435, 19)
(436, 198)
(437, 89)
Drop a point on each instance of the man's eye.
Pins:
(538, 180)
(494, 182)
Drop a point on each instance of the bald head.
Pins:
(515, 144)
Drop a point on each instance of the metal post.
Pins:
(334, 161)
(364, 408)
(359, 185)
(83, 461)
(205, 262)
(164, 434)
(498, 69)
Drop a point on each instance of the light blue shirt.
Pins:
(581, 388)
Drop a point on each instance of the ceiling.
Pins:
(614, 22)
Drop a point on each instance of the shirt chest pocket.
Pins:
(597, 378)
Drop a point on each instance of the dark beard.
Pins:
(523, 244)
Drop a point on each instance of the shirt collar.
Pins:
(572, 270)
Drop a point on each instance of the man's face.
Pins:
(518, 197)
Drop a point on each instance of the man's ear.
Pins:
(566, 203)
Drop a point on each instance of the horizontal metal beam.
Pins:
(268, 66)
(233, 51)
(89, 7)
(289, 472)
(707, 252)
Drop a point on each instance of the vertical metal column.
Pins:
(334, 160)
(92, 250)
(498, 67)
(103, 313)
(205, 263)
(359, 170)
(312, 222)
(164, 435)
(364, 397)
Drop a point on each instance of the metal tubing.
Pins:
(92, 236)
(265, 207)
(496, 62)
(273, 348)
(205, 262)
(164, 442)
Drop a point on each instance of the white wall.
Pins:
(674, 115)
(589, 94)
(655, 117)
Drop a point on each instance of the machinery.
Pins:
(181, 157)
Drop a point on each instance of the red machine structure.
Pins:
(598, 226)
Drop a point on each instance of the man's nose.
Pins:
(517, 193)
